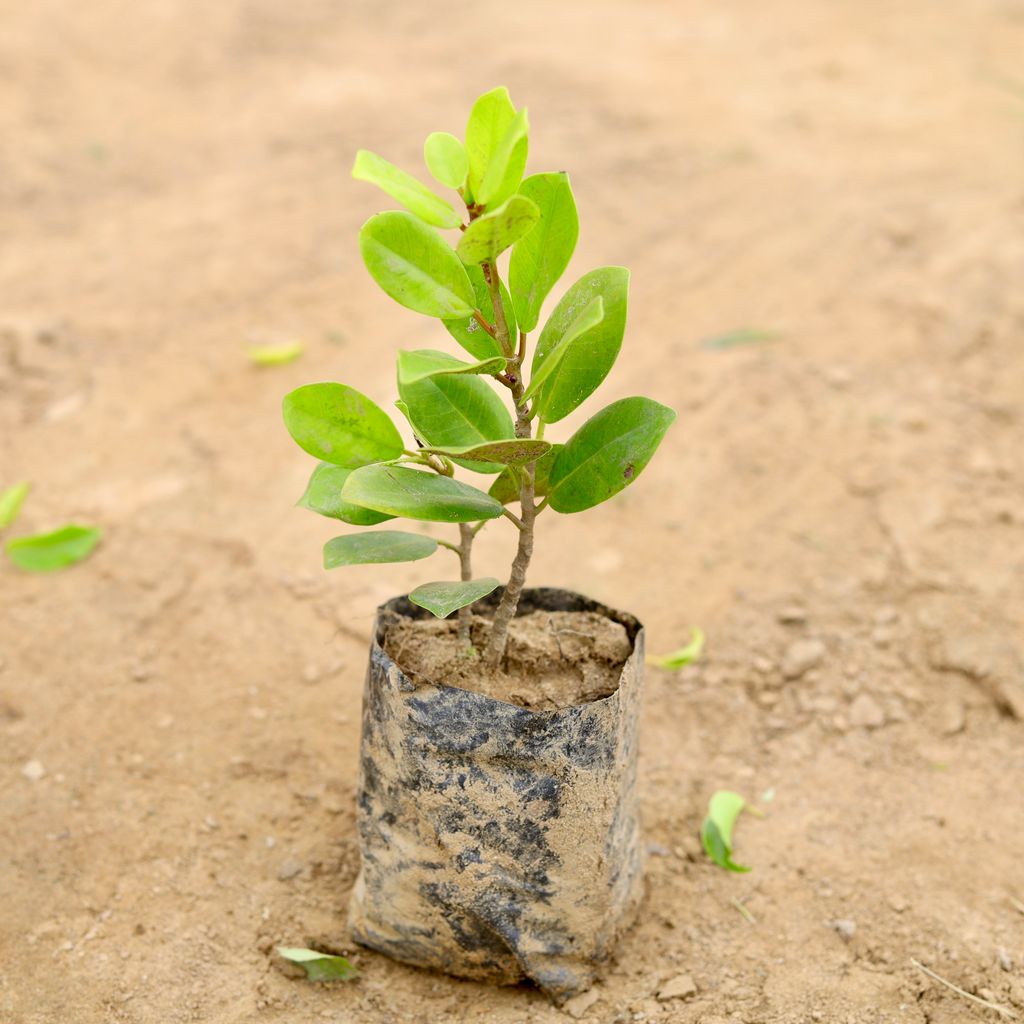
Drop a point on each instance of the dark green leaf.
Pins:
(415, 265)
(489, 236)
(590, 316)
(588, 359)
(607, 453)
(716, 833)
(468, 332)
(46, 552)
(454, 410)
(323, 495)
(441, 599)
(320, 966)
(400, 491)
(489, 121)
(446, 158)
(11, 500)
(377, 546)
(405, 189)
(540, 257)
(508, 453)
(506, 487)
(424, 362)
(505, 168)
(337, 424)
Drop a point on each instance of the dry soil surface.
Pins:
(838, 507)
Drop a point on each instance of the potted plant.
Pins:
(496, 809)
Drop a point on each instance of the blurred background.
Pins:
(822, 205)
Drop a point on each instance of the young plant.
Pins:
(369, 475)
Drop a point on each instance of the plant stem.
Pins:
(466, 535)
(490, 270)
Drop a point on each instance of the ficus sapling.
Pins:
(486, 283)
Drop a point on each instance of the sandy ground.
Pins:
(840, 508)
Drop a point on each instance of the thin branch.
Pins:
(515, 519)
(451, 547)
(465, 550)
(543, 505)
(1001, 1010)
(484, 323)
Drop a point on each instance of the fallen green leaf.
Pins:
(320, 966)
(11, 501)
(685, 655)
(46, 552)
(741, 336)
(276, 355)
(716, 833)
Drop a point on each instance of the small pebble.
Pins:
(866, 713)
(290, 869)
(579, 1005)
(310, 674)
(801, 656)
(1004, 959)
(952, 717)
(33, 770)
(681, 987)
(658, 850)
(845, 929)
(793, 616)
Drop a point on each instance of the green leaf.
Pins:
(684, 656)
(423, 362)
(740, 336)
(46, 552)
(468, 332)
(400, 491)
(446, 159)
(276, 355)
(505, 168)
(320, 966)
(489, 121)
(607, 453)
(591, 355)
(441, 599)
(377, 546)
(540, 257)
(11, 500)
(489, 236)
(405, 189)
(453, 410)
(590, 317)
(716, 833)
(506, 488)
(508, 453)
(336, 424)
(323, 495)
(415, 266)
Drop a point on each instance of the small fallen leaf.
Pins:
(276, 355)
(11, 501)
(46, 552)
(320, 966)
(685, 655)
(741, 336)
(716, 833)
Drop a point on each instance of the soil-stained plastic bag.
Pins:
(498, 842)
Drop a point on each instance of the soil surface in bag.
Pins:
(552, 659)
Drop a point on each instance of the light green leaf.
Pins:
(592, 354)
(468, 332)
(419, 363)
(336, 424)
(540, 257)
(490, 235)
(320, 966)
(276, 355)
(415, 266)
(489, 120)
(46, 552)
(377, 546)
(454, 410)
(505, 168)
(740, 336)
(517, 452)
(591, 315)
(607, 453)
(11, 500)
(506, 488)
(405, 189)
(716, 833)
(441, 599)
(684, 656)
(323, 495)
(446, 159)
(400, 491)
